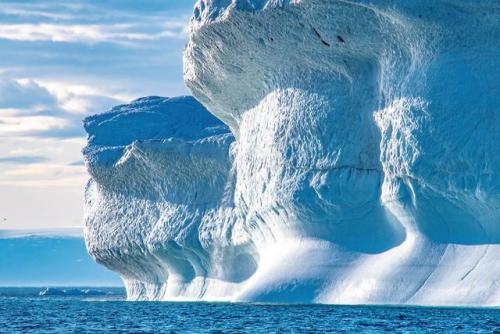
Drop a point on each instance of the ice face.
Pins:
(160, 169)
(362, 165)
(405, 91)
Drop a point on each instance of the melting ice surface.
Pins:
(350, 154)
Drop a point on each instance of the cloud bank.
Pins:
(91, 33)
(62, 61)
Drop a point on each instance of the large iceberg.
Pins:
(354, 157)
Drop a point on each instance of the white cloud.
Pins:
(90, 33)
(23, 94)
(44, 175)
(55, 151)
(22, 159)
(25, 125)
(54, 170)
(10, 112)
(82, 99)
(34, 151)
(65, 182)
(45, 108)
(33, 13)
(63, 60)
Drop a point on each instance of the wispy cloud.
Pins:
(81, 99)
(77, 163)
(41, 108)
(26, 125)
(29, 13)
(90, 33)
(63, 60)
(44, 175)
(22, 159)
(54, 170)
(25, 94)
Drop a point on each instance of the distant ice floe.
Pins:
(73, 292)
(351, 155)
(68, 232)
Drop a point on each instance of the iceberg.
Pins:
(342, 152)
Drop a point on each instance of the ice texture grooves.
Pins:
(360, 162)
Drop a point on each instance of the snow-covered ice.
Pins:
(354, 157)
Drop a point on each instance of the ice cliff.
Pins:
(354, 157)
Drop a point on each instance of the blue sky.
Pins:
(61, 61)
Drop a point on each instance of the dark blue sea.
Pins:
(83, 310)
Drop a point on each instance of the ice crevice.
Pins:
(340, 152)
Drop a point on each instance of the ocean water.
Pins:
(35, 310)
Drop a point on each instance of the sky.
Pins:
(61, 61)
